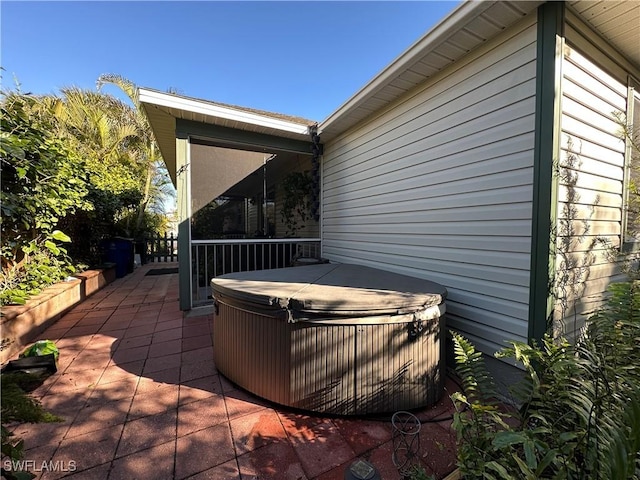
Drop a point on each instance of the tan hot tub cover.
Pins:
(335, 290)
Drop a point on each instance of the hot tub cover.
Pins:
(328, 289)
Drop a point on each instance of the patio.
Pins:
(142, 399)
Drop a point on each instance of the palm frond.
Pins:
(476, 381)
(127, 86)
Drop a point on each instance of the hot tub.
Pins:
(331, 338)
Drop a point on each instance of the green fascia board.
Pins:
(225, 136)
(551, 18)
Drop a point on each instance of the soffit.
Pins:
(164, 128)
(616, 21)
(470, 25)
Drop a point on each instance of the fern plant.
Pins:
(579, 414)
(477, 419)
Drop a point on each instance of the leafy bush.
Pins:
(579, 405)
(42, 182)
(85, 164)
(42, 179)
(41, 264)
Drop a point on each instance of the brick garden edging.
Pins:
(21, 324)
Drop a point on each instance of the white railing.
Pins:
(211, 258)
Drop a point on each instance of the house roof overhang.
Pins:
(467, 27)
(171, 115)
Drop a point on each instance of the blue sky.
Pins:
(297, 58)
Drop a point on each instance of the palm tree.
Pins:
(157, 185)
(104, 131)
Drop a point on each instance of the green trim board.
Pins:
(627, 244)
(545, 175)
(184, 229)
(231, 137)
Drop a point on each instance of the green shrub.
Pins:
(579, 405)
(43, 180)
(42, 263)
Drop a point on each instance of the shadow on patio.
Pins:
(142, 399)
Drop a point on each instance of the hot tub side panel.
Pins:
(297, 365)
(253, 351)
(331, 368)
(323, 361)
(397, 370)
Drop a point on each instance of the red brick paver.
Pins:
(141, 398)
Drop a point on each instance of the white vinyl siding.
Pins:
(591, 189)
(439, 186)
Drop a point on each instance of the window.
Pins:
(632, 192)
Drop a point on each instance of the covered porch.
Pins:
(247, 186)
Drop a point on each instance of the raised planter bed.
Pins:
(21, 324)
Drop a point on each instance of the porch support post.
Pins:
(551, 17)
(183, 187)
(316, 151)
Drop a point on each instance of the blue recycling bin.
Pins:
(120, 251)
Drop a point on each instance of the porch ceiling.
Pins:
(467, 27)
